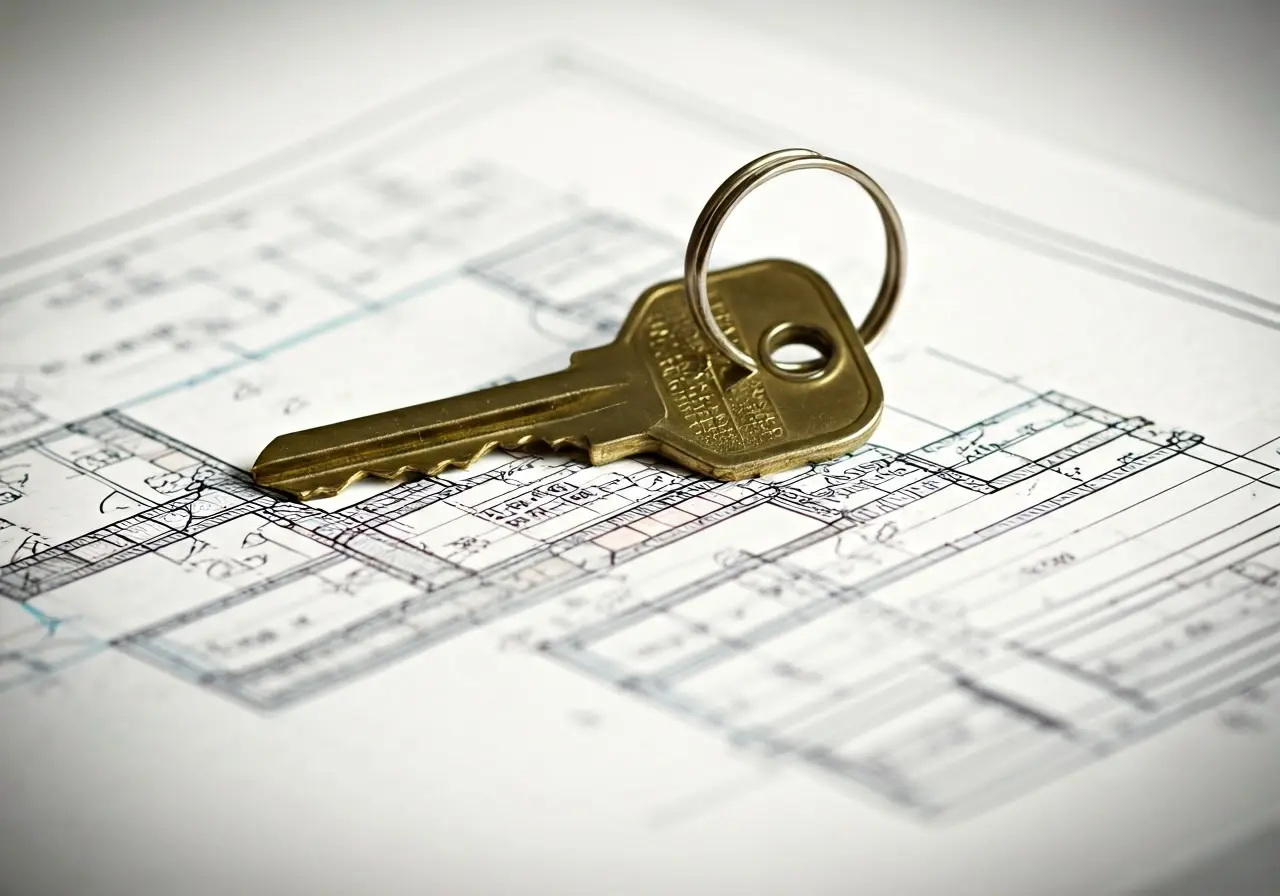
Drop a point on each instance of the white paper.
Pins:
(1025, 642)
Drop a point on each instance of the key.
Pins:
(659, 387)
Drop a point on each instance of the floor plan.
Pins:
(974, 603)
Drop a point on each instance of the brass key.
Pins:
(667, 384)
(659, 387)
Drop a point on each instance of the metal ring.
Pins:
(734, 190)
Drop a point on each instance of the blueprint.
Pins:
(1041, 560)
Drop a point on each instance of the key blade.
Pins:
(429, 438)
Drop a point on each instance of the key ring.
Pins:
(734, 190)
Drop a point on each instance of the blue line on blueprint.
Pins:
(294, 340)
(50, 623)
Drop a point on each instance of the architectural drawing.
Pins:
(937, 618)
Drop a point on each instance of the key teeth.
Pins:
(554, 444)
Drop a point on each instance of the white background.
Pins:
(1185, 92)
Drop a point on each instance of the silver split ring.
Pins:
(734, 190)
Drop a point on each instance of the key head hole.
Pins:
(797, 351)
